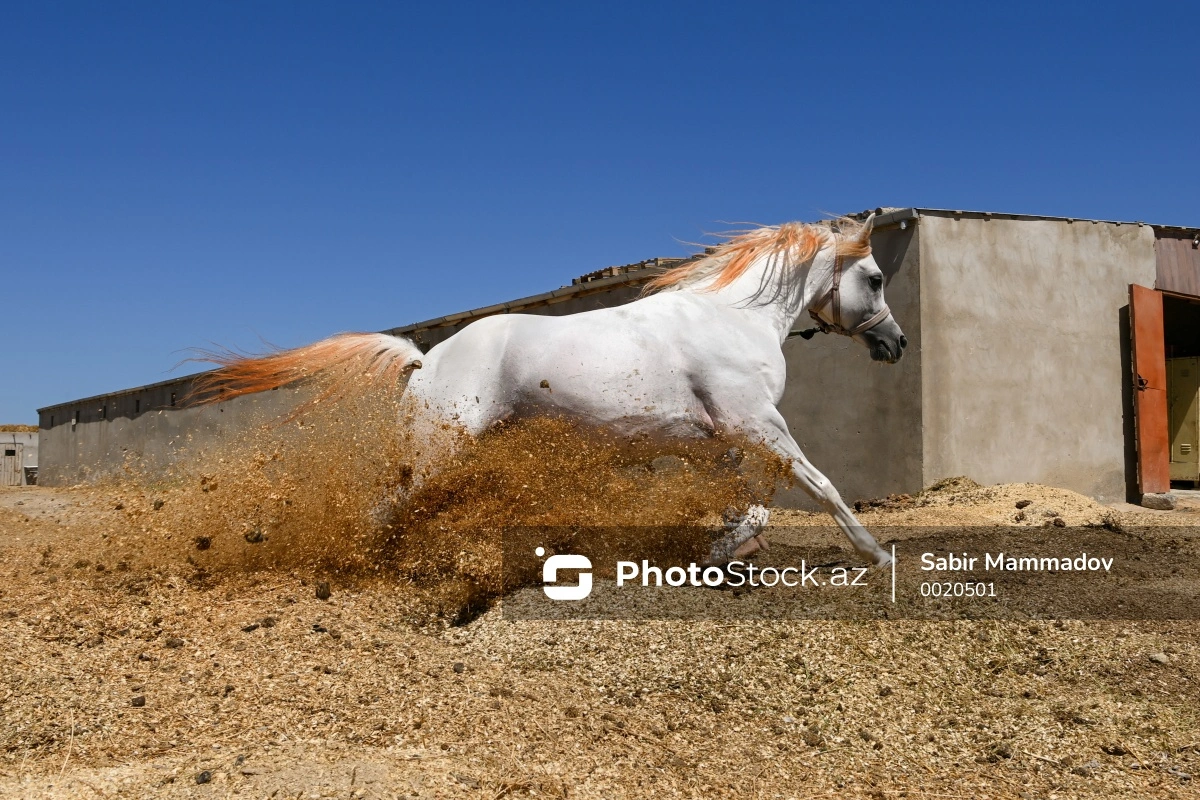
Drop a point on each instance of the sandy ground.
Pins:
(126, 681)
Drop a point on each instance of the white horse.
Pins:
(700, 353)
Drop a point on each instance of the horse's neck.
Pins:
(777, 294)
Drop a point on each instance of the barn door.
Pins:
(1150, 389)
(10, 465)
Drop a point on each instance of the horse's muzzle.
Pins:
(885, 345)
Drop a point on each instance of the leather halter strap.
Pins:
(833, 298)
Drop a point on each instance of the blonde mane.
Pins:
(795, 242)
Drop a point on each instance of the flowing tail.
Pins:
(346, 362)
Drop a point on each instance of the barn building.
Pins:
(1042, 349)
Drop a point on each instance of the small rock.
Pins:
(459, 667)
(157, 504)
(253, 626)
(1024, 503)
(1160, 658)
(1058, 522)
(323, 590)
(463, 779)
(138, 702)
(100, 568)
(668, 464)
(204, 777)
(203, 542)
(174, 643)
(1000, 750)
(1159, 502)
(255, 536)
(1020, 517)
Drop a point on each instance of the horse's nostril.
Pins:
(903, 341)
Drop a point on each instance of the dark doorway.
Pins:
(1181, 334)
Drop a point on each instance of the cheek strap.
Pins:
(833, 298)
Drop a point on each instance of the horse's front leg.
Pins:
(744, 538)
(772, 429)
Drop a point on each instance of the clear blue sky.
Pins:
(174, 174)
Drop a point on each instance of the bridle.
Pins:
(833, 299)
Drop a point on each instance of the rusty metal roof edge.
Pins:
(953, 212)
(636, 276)
(123, 392)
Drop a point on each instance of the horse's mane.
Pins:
(794, 242)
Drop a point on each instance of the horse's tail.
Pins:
(345, 363)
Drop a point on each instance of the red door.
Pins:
(1150, 389)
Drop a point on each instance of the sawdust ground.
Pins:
(369, 693)
(165, 638)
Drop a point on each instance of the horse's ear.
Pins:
(864, 235)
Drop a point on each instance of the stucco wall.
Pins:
(857, 420)
(148, 440)
(1022, 352)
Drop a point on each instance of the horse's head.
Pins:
(853, 305)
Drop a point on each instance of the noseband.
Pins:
(833, 299)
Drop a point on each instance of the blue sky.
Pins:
(175, 174)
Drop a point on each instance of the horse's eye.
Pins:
(876, 282)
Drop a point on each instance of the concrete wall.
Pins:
(859, 421)
(1022, 354)
(140, 430)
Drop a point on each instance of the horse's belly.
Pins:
(622, 407)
